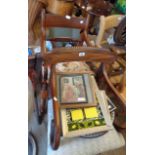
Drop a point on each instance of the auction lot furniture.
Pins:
(93, 7)
(114, 82)
(44, 74)
(60, 7)
(49, 20)
(65, 55)
(117, 22)
(73, 146)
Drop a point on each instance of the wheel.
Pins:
(120, 33)
(32, 145)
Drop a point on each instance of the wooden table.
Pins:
(95, 8)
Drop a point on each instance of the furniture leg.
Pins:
(55, 124)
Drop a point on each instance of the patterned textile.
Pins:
(73, 66)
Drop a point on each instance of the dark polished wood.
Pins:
(64, 21)
(103, 78)
(88, 54)
(55, 135)
(60, 7)
(43, 31)
(95, 7)
(57, 55)
(49, 20)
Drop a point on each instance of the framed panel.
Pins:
(86, 120)
(75, 90)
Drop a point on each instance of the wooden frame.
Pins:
(76, 100)
(70, 54)
(88, 54)
(103, 77)
(50, 20)
(93, 7)
(104, 112)
(60, 7)
(88, 88)
(106, 23)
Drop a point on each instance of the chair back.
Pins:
(49, 20)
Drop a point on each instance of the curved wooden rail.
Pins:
(55, 126)
(49, 20)
(88, 54)
(120, 98)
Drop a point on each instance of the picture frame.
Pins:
(111, 105)
(81, 119)
(75, 90)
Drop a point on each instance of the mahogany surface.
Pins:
(49, 20)
(103, 78)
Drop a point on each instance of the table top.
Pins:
(94, 7)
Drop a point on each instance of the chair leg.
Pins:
(55, 127)
(120, 119)
(55, 136)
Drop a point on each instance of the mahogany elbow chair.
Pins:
(87, 54)
(49, 20)
(58, 55)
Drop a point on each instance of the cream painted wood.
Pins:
(105, 24)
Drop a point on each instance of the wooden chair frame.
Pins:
(106, 23)
(87, 54)
(50, 20)
(66, 55)
(103, 75)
